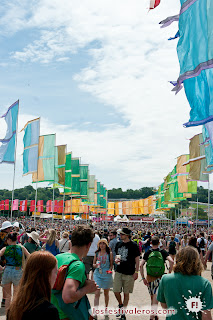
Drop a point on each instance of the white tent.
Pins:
(125, 219)
(77, 218)
(118, 219)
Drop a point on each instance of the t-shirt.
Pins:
(163, 252)
(128, 251)
(13, 255)
(186, 287)
(94, 246)
(44, 311)
(31, 247)
(76, 272)
(205, 242)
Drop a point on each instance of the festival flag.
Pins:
(7, 204)
(111, 208)
(196, 59)
(60, 161)
(23, 206)
(84, 180)
(46, 159)
(154, 4)
(15, 204)
(91, 189)
(32, 205)
(68, 174)
(49, 206)
(30, 141)
(95, 193)
(60, 207)
(40, 205)
(75, 167)
(2, 205)
(7, 148)
(67, 208)
(98, 193)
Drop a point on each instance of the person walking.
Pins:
(76, 285)
(32, 298)
(33, 243)
(127, 260)
(188, 284)
(155, 265)
(14, 255)
(51, 241)
(88, 260)
(112, 244)
(65, 243)
(103, 264)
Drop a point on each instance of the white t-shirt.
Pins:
(64, 245)
(94, 246)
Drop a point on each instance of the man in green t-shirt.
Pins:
(185, 290)
(76, 285)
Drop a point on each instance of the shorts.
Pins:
(11, 275)
(153, 286)
(88, 262)
(123, 282)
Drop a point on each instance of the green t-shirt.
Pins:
(176, 290)
(31, 247)
(76, 272)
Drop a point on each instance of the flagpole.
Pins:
(14, 172)
(208, 205)
(197, 216)
(37, 178)
(71, 212)
(54, 183)
(63, 210)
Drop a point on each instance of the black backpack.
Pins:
(202, 243)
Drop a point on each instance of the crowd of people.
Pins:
(53, 266)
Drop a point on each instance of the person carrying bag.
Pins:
(71, 286)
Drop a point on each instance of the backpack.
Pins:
(155, 264)
(61, 276)
(172, 245)
(202, 243)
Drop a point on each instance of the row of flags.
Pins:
(50, 163)
(57, 206)
(181, 182)
(138, 207)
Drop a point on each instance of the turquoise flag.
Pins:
(7, 148)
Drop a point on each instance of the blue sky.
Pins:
(97, 74)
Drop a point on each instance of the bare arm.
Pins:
(163, 305)
(71, 293)
(206, 315)
(70, 245)
(142, 271)
(171, 263)
(94, 262)
(111, 260)
(2, 251)
(26, 252)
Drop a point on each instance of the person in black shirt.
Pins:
(127, 260)
(151, 281)
(32, 298)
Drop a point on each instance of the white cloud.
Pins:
(129, 69)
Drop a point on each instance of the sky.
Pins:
(97, 73)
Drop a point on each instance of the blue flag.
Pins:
(7, 147)
(30, 140)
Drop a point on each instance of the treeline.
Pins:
(142, 193)
(28, 193)
(45, 194)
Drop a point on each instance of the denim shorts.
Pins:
(11, 275)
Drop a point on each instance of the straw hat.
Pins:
(34, 235)
(103, 240)
(6, 224)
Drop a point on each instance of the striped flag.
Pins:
(154, 4)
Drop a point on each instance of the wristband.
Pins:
(143, 278)
(136, 271)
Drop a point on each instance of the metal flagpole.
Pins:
(36, 179)
(71, 212)
(208, 205)
(14, 172)
(181, 219)
(54, 183)
(197, 216)
(175, 222)
(63, 210)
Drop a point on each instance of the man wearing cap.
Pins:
(33, 242)
(127, 260)
(5, 229)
